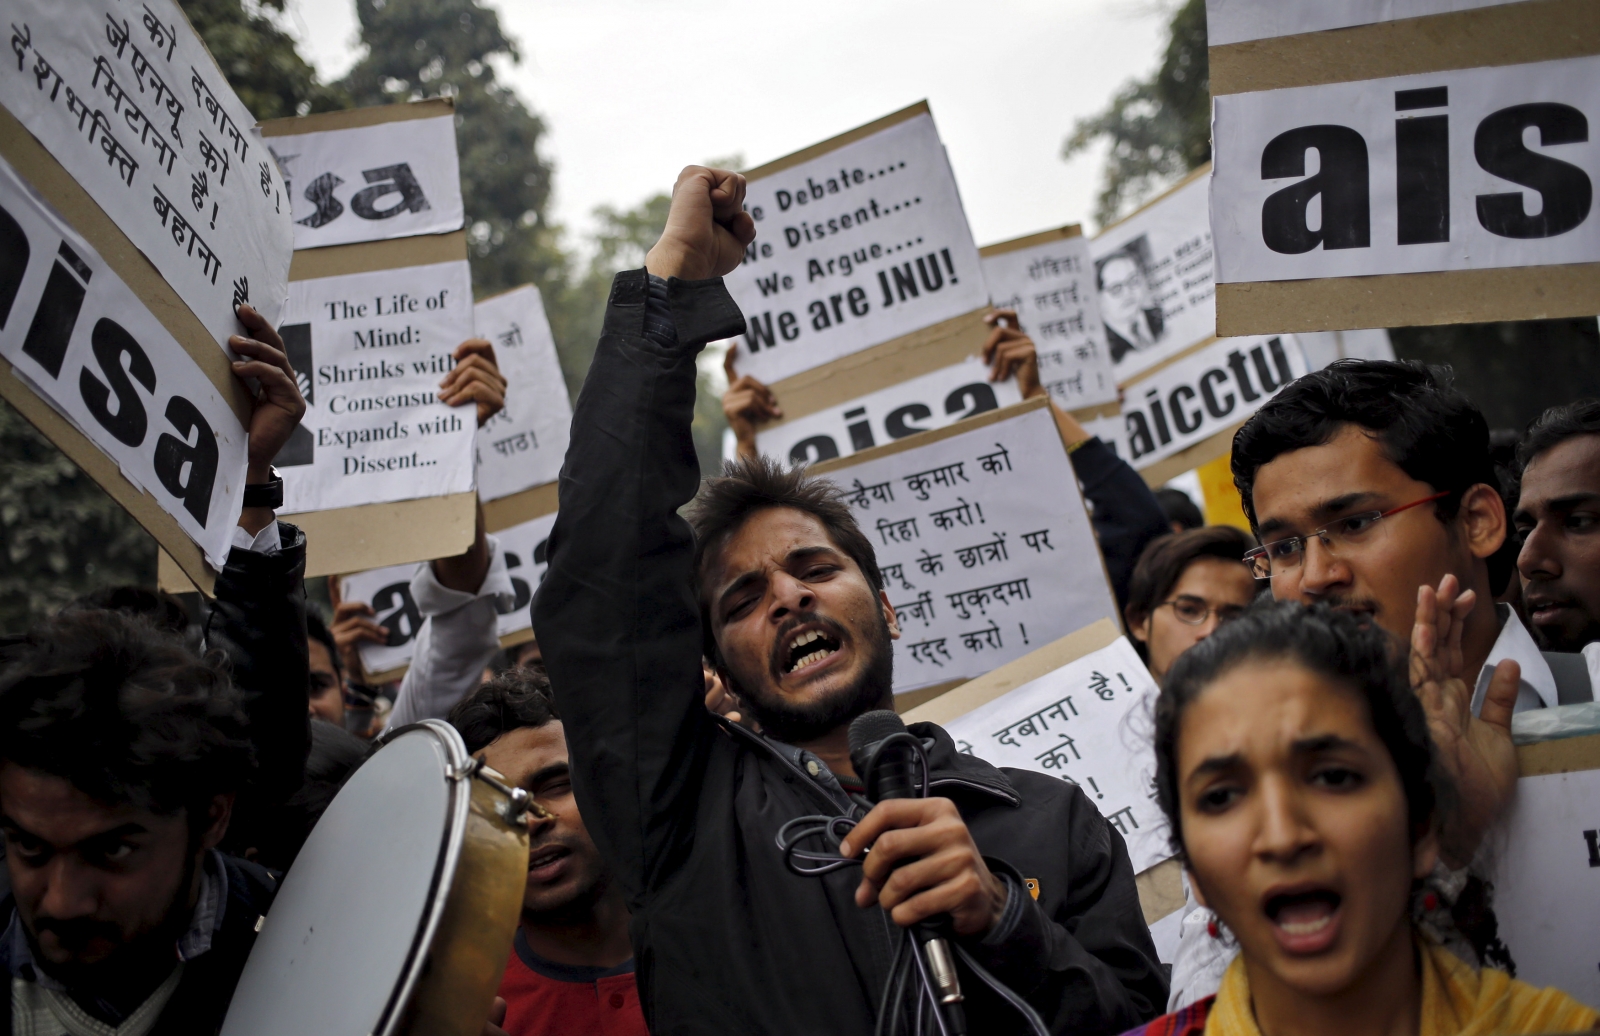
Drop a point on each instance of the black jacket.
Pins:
(258, 621)
(685, 807)
(1125, 513)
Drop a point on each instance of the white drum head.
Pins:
(346, 927)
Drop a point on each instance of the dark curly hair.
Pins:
(519, 697)
(748, 486)
(124, 711)
(1427, 427)
(1332, 644)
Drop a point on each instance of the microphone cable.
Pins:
(913, 1002)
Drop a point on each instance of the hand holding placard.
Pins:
(707, 227)
(279, 404)
(475, 378)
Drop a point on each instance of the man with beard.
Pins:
(571, 969)
(1558, 520)
(780, 589)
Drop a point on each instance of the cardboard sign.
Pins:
(370, 349)
(860, 239)
(131, 104)
(1084, 722)
(1048, 280)
(352, 180)
(933, 400)
(524, 444)
(1433, 166)
(1235, 21)
(1546, 868)
(388, 591)
(1153, 275)
(1205, 395)
(104, 379)
(983, 540)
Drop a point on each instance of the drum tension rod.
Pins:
(519, 803)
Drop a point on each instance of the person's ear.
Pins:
(1483, 520)
(1138, 624)
(889, 616)
(1425, 855)
(1194, 886)
(218, 815)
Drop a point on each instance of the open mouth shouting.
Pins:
(806, 649)
(1304, 921)
(548, 862)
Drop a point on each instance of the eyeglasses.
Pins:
(1193, 611)
(1338, 536)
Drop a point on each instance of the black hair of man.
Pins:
(1555, 426)
(519, 697)
(1428, 428)
(1332, 644)
(163, 610)
(125, 712)
(1178, 507)
(318, 631)
(1163, 562)
(748, 486)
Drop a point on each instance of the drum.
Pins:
(398, 914)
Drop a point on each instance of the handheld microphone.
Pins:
(889, 760)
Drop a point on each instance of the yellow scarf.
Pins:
(1457, 1000)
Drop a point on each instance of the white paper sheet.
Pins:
(523, 445)
(1088, 722)
(1052, 288)
(985, 547)
(371, 349)
(84, 342)
(1234, 21)
(1547, 882)
(526, 563)
(929, 401)
(864, 244)
(126, 97)
(372, 183)
(1335, 148)
(388, 591)
(1153, 272)
(1200, 395)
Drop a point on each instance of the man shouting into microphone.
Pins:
(778, 586)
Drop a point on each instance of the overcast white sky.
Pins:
(632, 90)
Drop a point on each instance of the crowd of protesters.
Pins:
(1332, 735)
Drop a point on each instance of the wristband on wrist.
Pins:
(265, 494)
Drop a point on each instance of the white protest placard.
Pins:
(1086, 723)
(372, 182)
(933, 400)
(982, 537)
(1153, 277)
(388, 591)
(131, 104)
(859, 240)
(1414, 174)
(371, 349)
(523, 445)
(1237, 21)
(1546, 872)
(1048, 279)
(1204, 393)
(83, 342)
(527, 559)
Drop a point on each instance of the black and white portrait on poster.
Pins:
(1153, 279)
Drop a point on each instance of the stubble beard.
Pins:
(799, 723)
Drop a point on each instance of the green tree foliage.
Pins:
(62, 535)
(1159, 128)
(259, 59)
(442, 48)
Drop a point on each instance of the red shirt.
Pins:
(544, 998)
